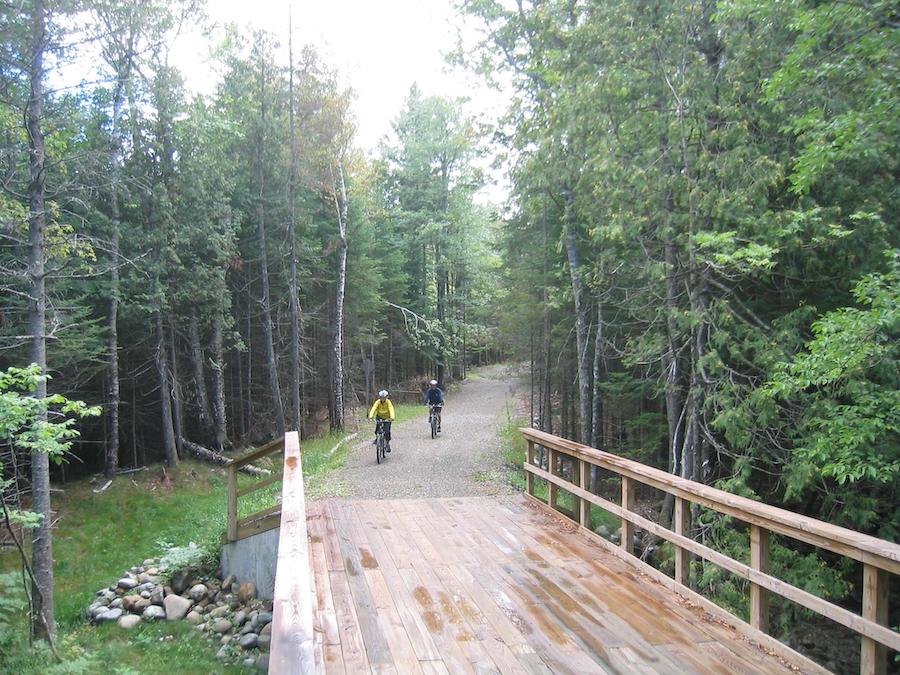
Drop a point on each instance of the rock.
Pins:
(267, 629)
(204, 602)
(146, 594)
(129, 601)
(95, 606)
(180, 582)
(176, 607)
(157, 595)
(127, 583)
(129, 621)
(262, 619)
(247, 628)
(111, 615)
(239, 618)
(98, 611)
(222, 626)
(148, 562)
(219, 612)
(249, 663)
(248, 641)
(226, 639)
(603, 531)
(146, 586)
(263, 642)
(154, 613)
(117, 603)
(262, 663)
(198, 592)
(227, 581)
(141, 606)
(193, 618)
(167, 590)
(246, 592)
(222, 654)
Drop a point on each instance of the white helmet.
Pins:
(433, 383)
(383, 393)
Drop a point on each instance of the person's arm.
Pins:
(390, 410)
(374, 407)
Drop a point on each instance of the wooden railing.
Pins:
(292, 649)
(879, 558)
(262, 521)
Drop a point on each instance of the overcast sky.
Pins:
(380, 47)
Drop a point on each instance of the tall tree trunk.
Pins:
(581, 324)
(177, 406)
(220, 433)
(337, 389)
(204, 413)
(165, 397)
(42, 619)
(296, 373)
(274, 387)
(597, 412)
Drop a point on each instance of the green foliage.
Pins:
(846, 383)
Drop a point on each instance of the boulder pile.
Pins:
(228, 612)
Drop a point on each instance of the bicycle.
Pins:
(434, 416)
(380, 443)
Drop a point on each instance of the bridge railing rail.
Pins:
(879, 558)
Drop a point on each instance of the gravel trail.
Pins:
(464, 460)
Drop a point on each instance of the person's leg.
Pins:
(387, 434)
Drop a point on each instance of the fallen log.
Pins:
(214, 457)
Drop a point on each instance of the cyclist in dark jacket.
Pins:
(435, 397)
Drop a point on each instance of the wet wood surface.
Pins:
(497, 584)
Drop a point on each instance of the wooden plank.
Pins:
(877, 552)
(759, 561)
(332, 546)
(325, 609)
(626, 532)
(232, 504)
(260, 515)
(873, 659)
(682, 527)
(292, 623)
(353, 648)
(258, 526)
(376, 645)
(855, 622)
(715, 611)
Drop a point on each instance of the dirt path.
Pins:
(464, 460)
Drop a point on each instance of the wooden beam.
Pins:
(529, 460)
(627, 529)
(268, 449)
(553, 491)
(759, 596)
(231, 534)
(258, 485)
(873, 659)
(292, 624)
(584, 469)
(683, 528)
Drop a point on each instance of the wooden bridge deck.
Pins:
(482, 585)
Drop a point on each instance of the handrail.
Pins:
(292, 624)
(880, 558)
(234, 529)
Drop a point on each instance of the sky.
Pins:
(379, 47)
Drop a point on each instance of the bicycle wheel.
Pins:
(433, 424)
(379, 448)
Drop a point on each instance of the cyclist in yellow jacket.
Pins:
(383, 410)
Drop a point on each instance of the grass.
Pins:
(99, 536)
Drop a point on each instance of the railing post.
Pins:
(682, 527)
(873, 659)
(529, 477)
(232, 504)
(553, 490)
(626, 532)
(584, 468)
(759, 560)
(576, 480)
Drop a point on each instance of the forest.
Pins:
(698, 263)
